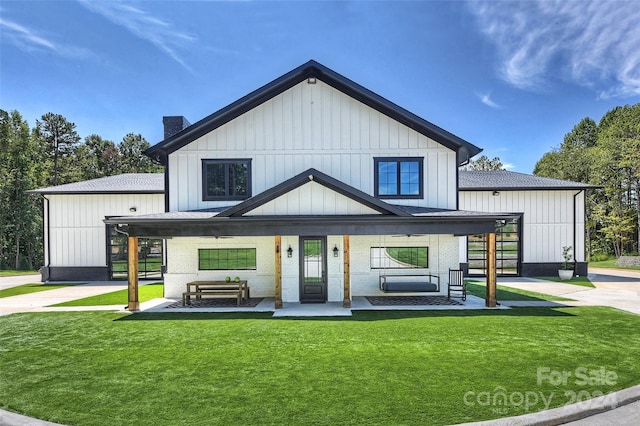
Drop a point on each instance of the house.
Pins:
(313, 188)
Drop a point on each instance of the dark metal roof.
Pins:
(504, 180)
(312, 69)
(129, 183)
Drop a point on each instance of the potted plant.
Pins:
(566, 271)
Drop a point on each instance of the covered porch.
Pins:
(313, 239)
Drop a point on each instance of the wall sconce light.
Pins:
(335, 251)
(311, 80)
(496, 193)
(289, 252)
(133, 209)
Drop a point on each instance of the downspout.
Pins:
(45, 201)
(575, 229)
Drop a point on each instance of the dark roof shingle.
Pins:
(141, 183)
(506, 180)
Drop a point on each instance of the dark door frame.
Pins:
(321, 295)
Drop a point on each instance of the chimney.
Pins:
(174, 124)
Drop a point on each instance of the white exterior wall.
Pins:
(182, 264)
(547, 221)
(77, 230)
(311, 125)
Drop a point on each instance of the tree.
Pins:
(58, 137)
(20, 220)
(132, 158)
(572, 159)
(101, 157)
(618, 163)
(483, 163)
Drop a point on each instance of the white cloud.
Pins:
(486, 99)
(31, 41)
(142, 24)
(594, 43)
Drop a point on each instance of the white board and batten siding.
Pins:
(311, 126)
(77, 230)
(548, 218)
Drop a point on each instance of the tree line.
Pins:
(49, 154)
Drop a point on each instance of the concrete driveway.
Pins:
(613, 287)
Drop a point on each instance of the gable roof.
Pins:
(128, 183)
(505, 180)
(312, 69)
(307, 176)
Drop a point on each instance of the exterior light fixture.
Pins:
(289, 252)
(335, 251)
(496, 193)
(311, 80)
(133, 209)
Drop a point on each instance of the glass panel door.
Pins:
(313, 270)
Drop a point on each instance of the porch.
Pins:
(329, 309)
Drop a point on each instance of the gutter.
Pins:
(47, 235)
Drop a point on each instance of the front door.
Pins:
(313, 270)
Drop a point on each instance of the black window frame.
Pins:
(226, 161)
(375, 262)
(399, 161)
(231, 255)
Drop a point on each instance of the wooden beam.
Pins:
(346, 302)
(490, 300)
(278, 241)
(132, 267)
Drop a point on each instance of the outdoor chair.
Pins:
(457, 286)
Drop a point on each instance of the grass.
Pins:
(32, 288)
(376, 368)
(11, 273)
(120, 297)
(582, 281)
(478, 288)
(611, 263)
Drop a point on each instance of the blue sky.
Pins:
(510, 77)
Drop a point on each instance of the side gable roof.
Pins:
(318, 177)
(312, 69)
(128, 183)
(505, 180)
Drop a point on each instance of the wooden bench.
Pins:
(186, 296)
(410, 283)
(238, 289)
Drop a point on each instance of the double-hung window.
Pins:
(399, 177)
(226, 179)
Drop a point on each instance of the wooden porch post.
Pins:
(346, 302)
(490, 300)
(134, 303)
(278, 241)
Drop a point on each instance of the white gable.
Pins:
(312, 126)
(311, 199)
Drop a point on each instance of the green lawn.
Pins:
(120, 297)
(478, 288)
(583, 281)
(32, 288)
(11, 273)
(376, 368)
(611, 263)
